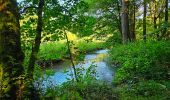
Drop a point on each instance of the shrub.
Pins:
(142, 61)
(148, 88)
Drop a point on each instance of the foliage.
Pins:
(52, 51)
(138, 61)
(143, 67)
(57, 50)
(149, 90)
(95, 91)
(114, 40)
(86, 88)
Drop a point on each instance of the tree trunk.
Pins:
(71, 57)
(119, 18)
(125, 21)
(35, 46)
(11, 55)
(166, 11)
(155, 18)
(166, 18)
(144, 21)
(155, 26)
(132, 22)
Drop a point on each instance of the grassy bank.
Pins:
(52, 51)
(59, 50)
(143, 71)
(85, 47)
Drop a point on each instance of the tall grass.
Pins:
(52, 51)
(84, 46)
(59, 50)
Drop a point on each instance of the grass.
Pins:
(85, 47)
(58, 50)
(52, 51)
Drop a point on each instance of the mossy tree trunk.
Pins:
(11, 55)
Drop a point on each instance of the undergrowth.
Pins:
(87, 88)
(143, 69)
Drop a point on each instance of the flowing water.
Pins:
(99, 58)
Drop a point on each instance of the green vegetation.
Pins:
(81, 91)
(59, 51)
(90, 46)
(60, 36)
(52, 51)
(88, 87)
(143, 69)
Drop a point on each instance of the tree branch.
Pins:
(160, 12)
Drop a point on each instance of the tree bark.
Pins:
(11, 55)
(125, 21)
(155, 19)
(119, 18)
(155, 26)
(132, 22)
(166, 18)
(144, 21)
(166, 11)
(35, 47)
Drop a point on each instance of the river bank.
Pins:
(98, 59)
(52, 53)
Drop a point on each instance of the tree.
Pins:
(144, 20)
(166, 18)
(155, 26)
(125, 21)
(11, 55)
(35, 47)
(36, 44)
(132, 22)
(119, 16)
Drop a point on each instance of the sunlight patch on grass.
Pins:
(71, 36)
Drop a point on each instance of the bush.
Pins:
(149, 88)
(89, 91)
(114, 40)
(142, 61)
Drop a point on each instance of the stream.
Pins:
(104, 71)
